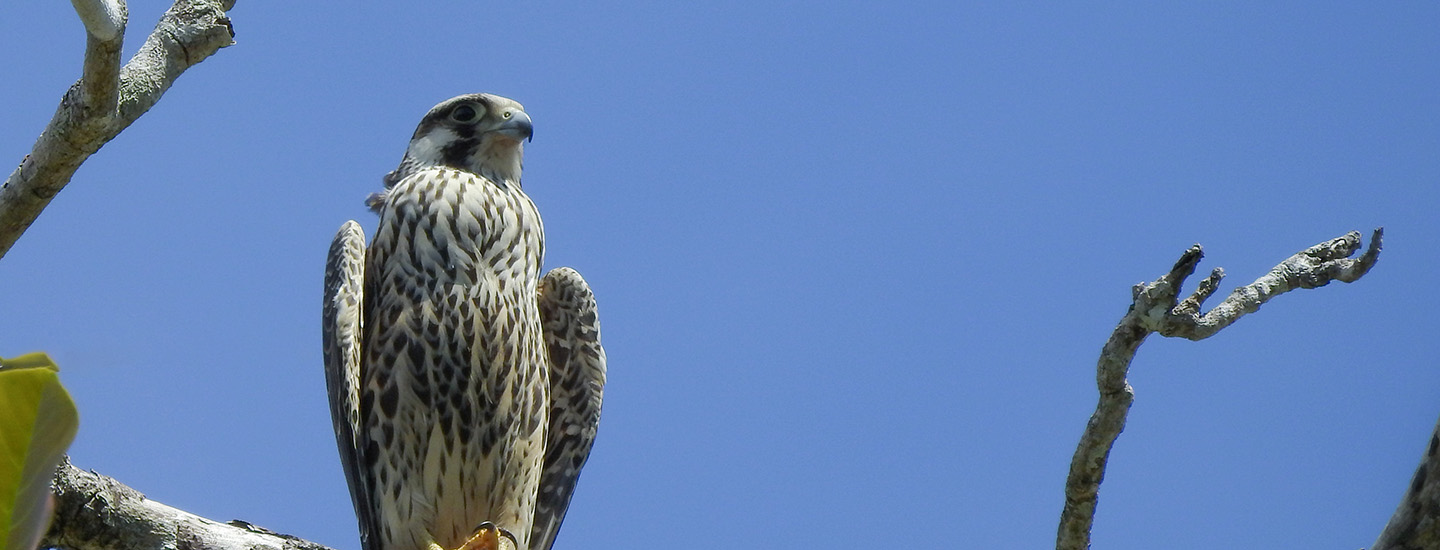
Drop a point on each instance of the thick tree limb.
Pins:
(94, 512)
(1414, 525)
(107, 98)
(1157, 308)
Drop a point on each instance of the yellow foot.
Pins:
(489, 537)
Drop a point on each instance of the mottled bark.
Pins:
(94, 512)
(108, 98)
(1416, 523)
(1157, 308)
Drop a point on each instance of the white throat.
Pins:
(498, 158)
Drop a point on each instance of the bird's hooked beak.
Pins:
(517, 127)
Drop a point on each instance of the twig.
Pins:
(1157, 308)
(1313, 267)
(95, 512)
(107, 98)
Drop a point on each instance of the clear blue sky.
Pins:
(855, 262)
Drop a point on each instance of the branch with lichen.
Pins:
(95, 512)
(1157, 308)
(108, 97)
(91, 511)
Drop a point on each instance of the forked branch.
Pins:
(108, 98)
(1157, 308)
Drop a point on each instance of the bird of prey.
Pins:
(465, 388)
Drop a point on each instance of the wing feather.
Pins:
(577, 384)
(342, 321)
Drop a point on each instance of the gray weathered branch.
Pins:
(103, 19)
(1414, 525)
(107, 98)
(100, 78)
(94, 512)
(1157, 308)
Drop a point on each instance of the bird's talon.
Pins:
(489, 537)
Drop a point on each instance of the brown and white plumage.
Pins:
(577, 383)
(464, 388)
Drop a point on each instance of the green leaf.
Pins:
(37, 423)
(37, 359)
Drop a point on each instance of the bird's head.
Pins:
(480, 133)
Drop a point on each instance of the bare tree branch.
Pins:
(1157, 308)
(1414, 526)
(103, 19)
(107, 98)
(94, 512)
(1313, 267)
(99, 82)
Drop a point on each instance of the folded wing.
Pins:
(341, 322)
(577, 383)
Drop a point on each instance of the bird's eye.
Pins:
(465, 114)
(507, 114)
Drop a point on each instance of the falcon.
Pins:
(465, 388)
